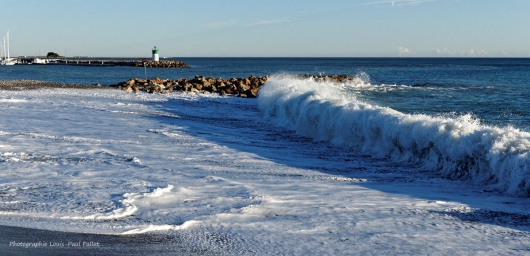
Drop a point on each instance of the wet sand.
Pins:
(26, 241)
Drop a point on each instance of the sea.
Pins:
(491, 89)
(405, 158)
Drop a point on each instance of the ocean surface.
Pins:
(408, 156)
(495, 89)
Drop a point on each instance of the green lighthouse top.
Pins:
(155, 51)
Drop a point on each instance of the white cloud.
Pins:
(233, 23)
(403, 50)
(396, 3)
(445, 52)
(269, 22)
(462, 53)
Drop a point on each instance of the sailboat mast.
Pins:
(3, 47)
(8, 44)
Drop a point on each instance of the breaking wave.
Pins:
(458, 147)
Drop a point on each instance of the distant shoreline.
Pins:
(21, 85)
(102, 62)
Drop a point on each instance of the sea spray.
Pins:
(458, 147)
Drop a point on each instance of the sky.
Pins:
(268, 28)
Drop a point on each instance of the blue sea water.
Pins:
(467, 118)
(496, 90)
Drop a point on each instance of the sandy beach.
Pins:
(28, 241)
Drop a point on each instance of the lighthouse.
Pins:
(155, 54)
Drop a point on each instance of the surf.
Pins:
(454, 146)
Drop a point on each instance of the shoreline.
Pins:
(240, 87)
(21, 85)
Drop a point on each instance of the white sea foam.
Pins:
(459, 147)
(212, 172)
(13, 100)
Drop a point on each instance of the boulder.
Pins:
(131, 82)
(242, 87)
(253, 93)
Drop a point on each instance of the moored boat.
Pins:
(6, 60)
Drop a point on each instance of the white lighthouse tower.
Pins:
(155, 54)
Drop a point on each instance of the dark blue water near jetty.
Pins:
(496, 90)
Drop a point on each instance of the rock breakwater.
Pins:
(242, 87)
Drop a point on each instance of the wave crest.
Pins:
(458, 147)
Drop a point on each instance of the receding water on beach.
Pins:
(411, 150)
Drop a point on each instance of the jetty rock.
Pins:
(242, 87)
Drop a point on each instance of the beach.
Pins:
(27, 241)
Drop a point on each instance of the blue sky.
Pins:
(269, 28)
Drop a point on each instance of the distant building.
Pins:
(155, 54)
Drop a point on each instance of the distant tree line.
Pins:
(53, 55)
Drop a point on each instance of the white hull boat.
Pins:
(5, 60)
